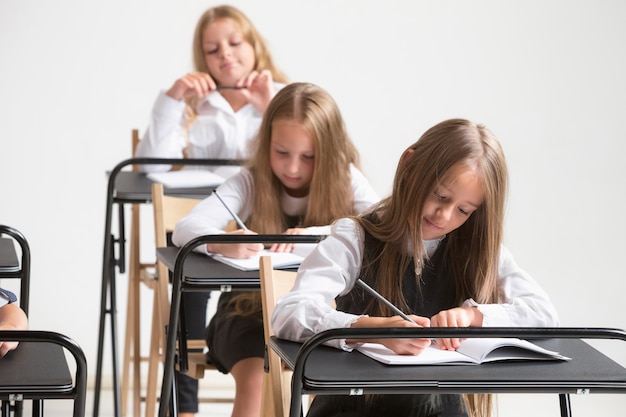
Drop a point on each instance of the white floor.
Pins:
(508, 405)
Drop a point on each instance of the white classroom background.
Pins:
(547, 77)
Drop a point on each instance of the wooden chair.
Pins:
(276, 384)
(167, 211)
(138, 272)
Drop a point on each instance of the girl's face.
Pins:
(292, 156)
(227, 54)
(451, 203)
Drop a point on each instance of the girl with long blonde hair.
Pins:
(303, 175)
(434, 249)
(212, 112)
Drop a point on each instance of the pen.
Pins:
(383, 299)
(237, 219)
(229, 87)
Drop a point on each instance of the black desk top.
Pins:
(207, 273)
(36, 370)
(135, 186)
(8, 257)
(334, 371)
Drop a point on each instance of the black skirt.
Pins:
(231, 338)
(383, 405)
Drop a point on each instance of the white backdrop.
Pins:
(546, 76)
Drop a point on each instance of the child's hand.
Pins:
(287, 247)
(236, 250)
(407, 346)
(5, 347)
(401, 346)
(260, 89)
(194, 84)
(456, 317)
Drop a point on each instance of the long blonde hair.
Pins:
(472, 250)
(263, 58)
(330, 192)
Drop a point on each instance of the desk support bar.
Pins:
(317, 340)
(177, 283)
(108, 293)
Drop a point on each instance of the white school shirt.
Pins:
(211, 217)
(217, 132)
(333, 267)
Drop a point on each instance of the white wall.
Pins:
(546, 76)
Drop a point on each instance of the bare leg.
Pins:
(248, 374)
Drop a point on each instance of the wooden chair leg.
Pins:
(154, 360)
(132, 344)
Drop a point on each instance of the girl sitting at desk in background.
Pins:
(202, 115)
(302, 176)
(12, 317)
(197, 119)
(441, 231)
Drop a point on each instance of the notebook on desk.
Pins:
(187, 178)
(472, 351)
(280, 260)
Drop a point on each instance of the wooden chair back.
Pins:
(276, 384)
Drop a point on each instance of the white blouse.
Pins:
(211, 217)
(217, 132)
(333, 267)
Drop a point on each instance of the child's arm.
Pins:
(330, 270)
(522, 301)
(11, 318)
(165, 136)
(401, 346)
(210, 217)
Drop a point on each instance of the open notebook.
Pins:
(472, 351)
(186, 178)
(280, 260)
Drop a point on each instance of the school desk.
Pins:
(129, 187)
(196, 272)
(37, 370)
(321, 370)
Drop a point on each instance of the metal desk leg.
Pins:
(108, 306)
(566, 407)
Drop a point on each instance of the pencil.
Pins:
(237, 219)
(383, 299)
(229, 87)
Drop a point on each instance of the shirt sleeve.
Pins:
(330, 270)
(164, 137)
(522, 301)
(210, 217)
(364, 194)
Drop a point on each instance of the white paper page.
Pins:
(430, 356)
(279, 260)
(491, 349)
(186, 178)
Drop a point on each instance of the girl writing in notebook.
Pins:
(302, 176)
(203, 115)
(434, 249)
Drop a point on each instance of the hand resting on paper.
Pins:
(236, 250)
(401, 346)
(287, 247)
(456, 317)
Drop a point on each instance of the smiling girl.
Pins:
(198, 116)
(302, 176)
